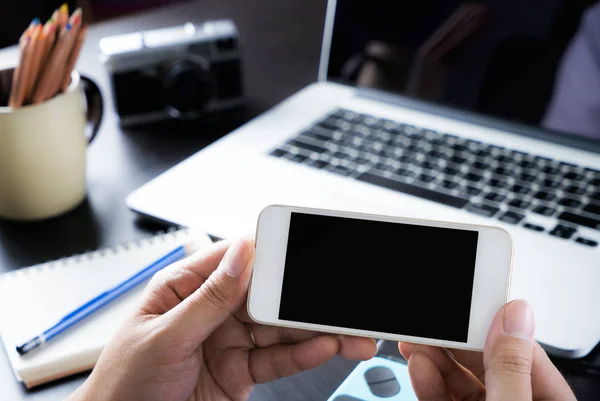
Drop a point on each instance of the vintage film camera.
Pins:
(183, 72)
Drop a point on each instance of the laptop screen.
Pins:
(534, 62)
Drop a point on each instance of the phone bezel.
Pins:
(491, 285)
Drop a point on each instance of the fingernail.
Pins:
(518, 320)
(236, 258)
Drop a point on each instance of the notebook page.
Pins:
(35, 298)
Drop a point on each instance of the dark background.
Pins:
(282, 46)
(21, 12)
(354, 273)
(506, 68)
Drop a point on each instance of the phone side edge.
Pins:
(257, 313)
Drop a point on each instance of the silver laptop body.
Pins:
(388, 128)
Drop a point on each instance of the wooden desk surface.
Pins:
(282, 46)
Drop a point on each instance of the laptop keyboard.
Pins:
(482, 178)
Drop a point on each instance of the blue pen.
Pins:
(96, 303)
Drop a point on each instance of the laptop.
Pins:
(483, 113)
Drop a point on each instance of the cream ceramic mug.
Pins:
(43, 150)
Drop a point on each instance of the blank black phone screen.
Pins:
(379, 276)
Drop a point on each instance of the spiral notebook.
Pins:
(34, 298)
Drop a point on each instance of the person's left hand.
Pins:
(191, 338)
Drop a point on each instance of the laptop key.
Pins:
(494, 197)
(502, 171)
(298, 158)
(405, 173)
(550, 184)
(480, 165)
(307, 146)
(473, 177)
(511, 217)
(569, 202)
(575, 190)
(592, 208)
(482, 209)
(545, 196)
(320, 135)
(505, 159)
(278, 153)
(450, 171)
(319, 164)
(341, 170)
(414, 190)
(471, 191)
(496, 183)
(426, 178)
(544, 210)
(520, 189)
(573, 176)
(430, 165)
(562, 231)
(581, 220)
(533, 227)
(527, 177)
(457, 159)
(520, 203)
(449, 184)
(384, 167)
(341, 155)
(527, 164)
(360, 161)
(585, 241)
(550, 170)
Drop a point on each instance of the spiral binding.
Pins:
(76, 259)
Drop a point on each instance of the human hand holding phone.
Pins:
(512, 367)
(191, 338)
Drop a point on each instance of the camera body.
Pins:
(183, 72)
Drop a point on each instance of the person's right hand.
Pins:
(513, 367)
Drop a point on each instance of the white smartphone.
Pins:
(391, 278)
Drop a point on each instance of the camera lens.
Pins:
(188, 87)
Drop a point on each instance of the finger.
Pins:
(471, 360)
(547, 382)
(265, 336)
(460, 382)
(508, 354)
(277, 361)
(176, 282)
(218, 298)
(426, 379)
(357, 348)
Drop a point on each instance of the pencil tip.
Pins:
(36, 21)
(68, 27)
(64, 8)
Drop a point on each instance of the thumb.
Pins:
(221, 295)
(508, 354)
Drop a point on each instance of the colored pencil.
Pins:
(39, 52)
(63, 16)
(73, 58)
(52, 76)
(21, 83)
(23, 43)
(48, 55)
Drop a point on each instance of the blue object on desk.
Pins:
(96, 303)
(374, 380)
